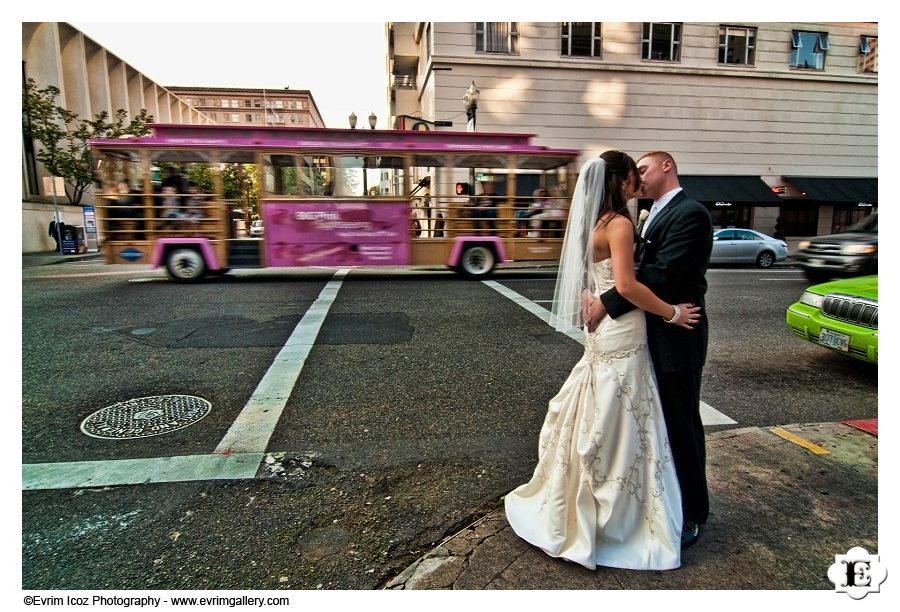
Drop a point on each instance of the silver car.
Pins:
(746, 246)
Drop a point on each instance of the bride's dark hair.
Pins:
(619, 166)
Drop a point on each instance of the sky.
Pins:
(342, 64)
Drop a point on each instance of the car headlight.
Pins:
(803, 244)
(858, 249)
(812, 299)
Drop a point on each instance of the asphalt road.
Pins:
(416, 408)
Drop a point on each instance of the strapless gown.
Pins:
(604, 491)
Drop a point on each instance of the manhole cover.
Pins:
(145, 416)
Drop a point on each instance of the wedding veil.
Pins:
(576, 257)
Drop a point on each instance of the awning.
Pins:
(733, 189)
(830, 189)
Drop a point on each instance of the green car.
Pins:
(841, 315)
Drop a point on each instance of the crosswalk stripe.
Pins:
(76, 474)
(253, 427)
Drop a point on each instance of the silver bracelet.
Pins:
(674, 316)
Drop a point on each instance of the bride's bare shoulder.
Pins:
(620, 222)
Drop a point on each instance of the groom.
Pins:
(676, 245)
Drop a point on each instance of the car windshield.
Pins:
(866, 225)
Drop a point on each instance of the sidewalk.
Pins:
(780, 513)
(30, 260)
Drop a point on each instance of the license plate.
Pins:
(834, 340)
(815, 262)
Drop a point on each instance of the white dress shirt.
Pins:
(657, 206)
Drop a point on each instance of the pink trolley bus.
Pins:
(183, 196)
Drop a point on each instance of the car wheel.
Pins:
(477, 261)
(765, 259)
(185, 265)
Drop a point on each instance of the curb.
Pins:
(480, 555)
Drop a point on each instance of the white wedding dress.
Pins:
(604, 491)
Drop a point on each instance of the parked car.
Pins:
(746, 246)
(841, 315)
(853, 252)
(256, 228)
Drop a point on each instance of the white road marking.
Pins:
(711, 416)
(708, 414)
(253, 427)
(242, 449)
(539, 311)
(37, 476)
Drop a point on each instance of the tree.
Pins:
(241, 184)
(64, 136)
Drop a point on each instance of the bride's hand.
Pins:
(690, 316)
(586, 299)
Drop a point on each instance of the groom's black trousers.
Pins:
(680, 397)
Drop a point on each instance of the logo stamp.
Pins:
(857, 573)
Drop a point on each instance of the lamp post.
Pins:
(352, 119)
(471, 99)
(372, 120)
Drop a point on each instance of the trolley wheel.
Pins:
(185, 265)
(477, 261)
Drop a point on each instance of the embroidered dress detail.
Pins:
(604, 491)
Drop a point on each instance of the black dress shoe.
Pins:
(690, 533)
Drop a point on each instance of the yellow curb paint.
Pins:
(813, 448)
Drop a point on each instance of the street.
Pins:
(414, 406)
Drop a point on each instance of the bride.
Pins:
(604, 491)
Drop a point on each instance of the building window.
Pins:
(214, 116)
(247, 103)
(256, 104)
(224, 117)
(580, 39)
(737, 46)
(428, 42)
(249, 118)
(497, 37)
(661, 42)
(235, 118)
(868, 54)
(808, 50)
(234, 104)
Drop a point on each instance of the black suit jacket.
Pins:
(673, 261)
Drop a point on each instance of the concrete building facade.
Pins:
(90, 79)
(240, 106)
(765, 120)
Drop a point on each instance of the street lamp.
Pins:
(352, 119)
(471, 99)
(372, 120)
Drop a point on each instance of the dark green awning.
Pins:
(837, 189)
(734, 189)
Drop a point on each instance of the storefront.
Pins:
(735, 201)
(828, 204)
